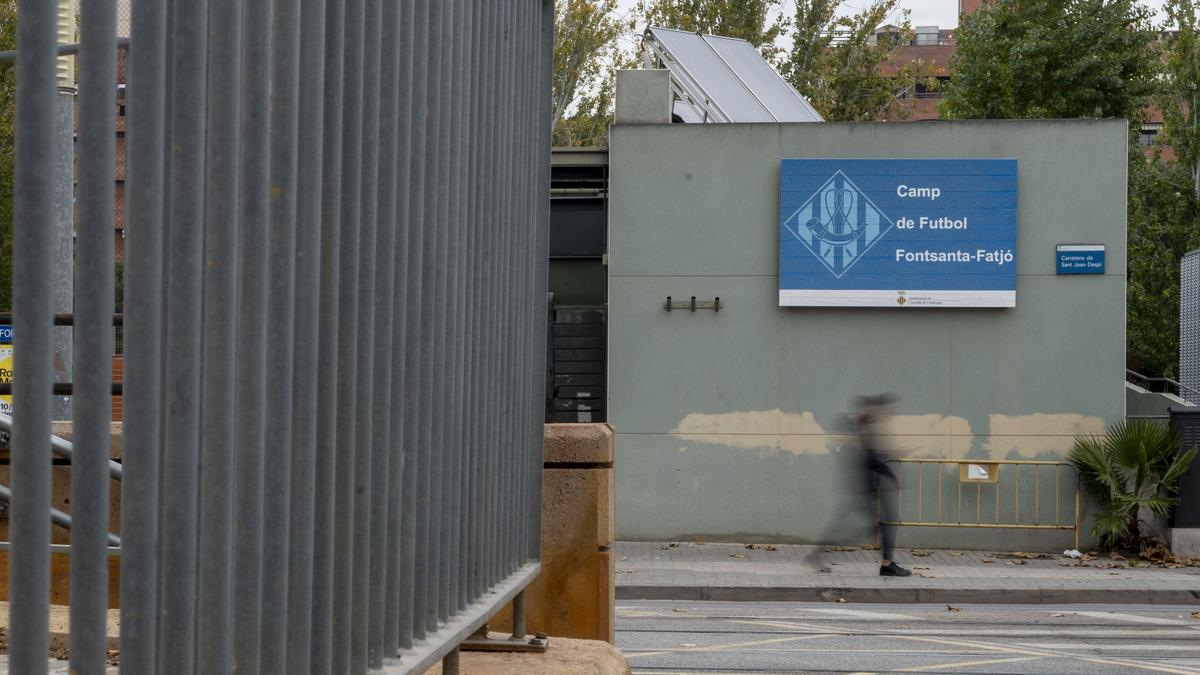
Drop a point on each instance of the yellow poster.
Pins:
(6, 373)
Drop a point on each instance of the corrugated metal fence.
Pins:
(334, 330)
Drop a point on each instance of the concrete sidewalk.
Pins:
(692, 571)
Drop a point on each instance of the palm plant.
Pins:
(1134, 466)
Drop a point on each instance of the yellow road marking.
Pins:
(1044, 654)
(965, 664)
(1129, 663)
(715, 648)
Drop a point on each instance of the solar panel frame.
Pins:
(724, 79)
(705, 67)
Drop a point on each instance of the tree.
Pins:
(1177, 96)
(585, 52)
(8, 102)
(758, 22)
(1162, 227)
(1053, 59)
(847, 75)
(1164, 204)
(1135, 466)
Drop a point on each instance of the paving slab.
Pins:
(735, 572)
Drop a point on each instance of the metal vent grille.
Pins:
(1189, 327)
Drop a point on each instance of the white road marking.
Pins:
(863, 614)
(1133, 618)
(967, 664)
(1106, 647)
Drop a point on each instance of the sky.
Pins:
(942, 13)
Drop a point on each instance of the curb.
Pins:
(913, 595)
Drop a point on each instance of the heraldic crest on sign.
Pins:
(839, 223)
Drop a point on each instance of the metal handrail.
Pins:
(1179, 386)
(64, 448)
(59, 518)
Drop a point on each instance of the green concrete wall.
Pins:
(730, 425)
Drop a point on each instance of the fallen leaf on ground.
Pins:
(952, 608)
(1027, 556)
(841, 548)
(752, 546)
(1057, 614)
(987, 560)
(1017, 562)
(870, 548)
(678, 609)
(920, 553)
(771, 547)
(1196, 615)
(739, 555)
(956, 554)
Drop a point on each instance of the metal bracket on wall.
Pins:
(692, 304)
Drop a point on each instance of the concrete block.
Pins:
(576, 510)
(60, 624)
(643, 97)
(563, 656)
(574, 594)
(1185, 542)
(60, 579)
(579, 443)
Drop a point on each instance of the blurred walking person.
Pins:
(874, 480)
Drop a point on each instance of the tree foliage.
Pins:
(1162, 219)
(1053, 59)
(759, 22)
(835, 65)
(1164, 207)
(586, 50)
(8, 100)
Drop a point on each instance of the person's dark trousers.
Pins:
(887, 514)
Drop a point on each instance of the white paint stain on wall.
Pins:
(762, 430)
(1030, 436)
(929, 435)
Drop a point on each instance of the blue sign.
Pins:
(6, 335)
(898, 233)
(1079, 259)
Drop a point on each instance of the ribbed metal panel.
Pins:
(1189, 327)
(336, 262)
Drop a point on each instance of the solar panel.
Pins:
(724, 79)
(775, 94)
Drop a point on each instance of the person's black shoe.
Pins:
(893, 570)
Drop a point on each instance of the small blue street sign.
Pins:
(1079, 259)
(6, 335)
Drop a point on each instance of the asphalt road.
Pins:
(712, 637)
